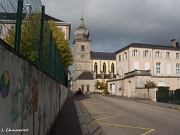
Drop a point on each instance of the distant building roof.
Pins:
(103, 55)
(12, 16)
(86, 75)
(106, 76)
(141, 45)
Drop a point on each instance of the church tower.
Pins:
(81, 50)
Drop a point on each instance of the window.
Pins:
(119, 57)
(147, 65)
(177, 55)
(82, 48)
(136, 65)
(12, 27)
(88, 87)
(110, 86)
(168, 68)
(1, 32)
(95, 67)
(135, 53)
(112, 68)
(177, 68)
(145, 53)
(125, 55)
(104, 67)
(157, 54)
(158, 68)
(167, 55)
(82, 87)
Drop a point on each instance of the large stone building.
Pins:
(88, 66)
(139, 63)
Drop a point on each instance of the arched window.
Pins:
(95, 68)
(104, 67)
(82, 48)
(112, 68)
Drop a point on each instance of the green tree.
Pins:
(101, 85)
(62, 44)
(30, 39)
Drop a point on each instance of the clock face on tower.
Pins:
(82, 56)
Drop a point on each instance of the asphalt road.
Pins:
(112, 116)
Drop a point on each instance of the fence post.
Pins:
(41, 36)
(50, 46)
(18, 25)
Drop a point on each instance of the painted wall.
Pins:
(29, 99)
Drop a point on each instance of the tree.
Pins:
(62, 44)
(30, 39)
(101, 85)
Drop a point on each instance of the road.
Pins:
(111, 116)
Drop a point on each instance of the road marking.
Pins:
(108, 117)
(116, 125)
(85, 110)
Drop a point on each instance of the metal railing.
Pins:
(24, 26)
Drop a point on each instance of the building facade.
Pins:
(139, 63)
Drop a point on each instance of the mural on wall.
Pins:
(34, 98)
(24, 97)
(44, 119)
(4, 84)
(40, 121)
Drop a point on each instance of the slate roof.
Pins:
(103, 55)
(141, 45)
(86, 75)
(106, 76)
(12, 16)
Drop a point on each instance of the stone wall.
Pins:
(143, 94)
(30, 100)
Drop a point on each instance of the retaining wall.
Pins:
(30, 100)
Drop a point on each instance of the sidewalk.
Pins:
(68, 122)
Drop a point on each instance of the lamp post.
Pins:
(121, 77)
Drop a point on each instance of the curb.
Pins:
(82, 118)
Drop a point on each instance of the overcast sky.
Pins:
(114, 24)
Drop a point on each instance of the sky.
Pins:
(114, 24)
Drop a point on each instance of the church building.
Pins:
(89, 66)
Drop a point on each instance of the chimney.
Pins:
(111, 75)
(28, 8)
(174, 43)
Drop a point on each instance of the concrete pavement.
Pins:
(73, 121)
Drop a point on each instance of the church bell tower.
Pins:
(81, 50)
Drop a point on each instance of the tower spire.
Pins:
(82, 11)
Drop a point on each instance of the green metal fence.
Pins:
(28, 32)
(168, 96)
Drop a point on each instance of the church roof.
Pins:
(86, 75)
(106, 76)
(103, 55)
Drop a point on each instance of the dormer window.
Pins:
(82, 48)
